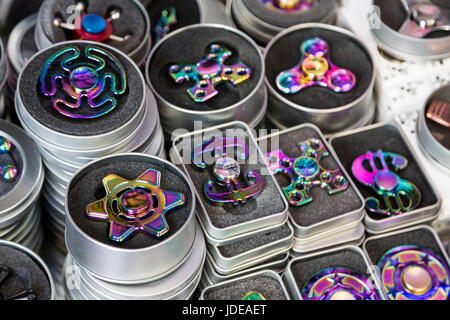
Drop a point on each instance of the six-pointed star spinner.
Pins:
(315, 69)
(134, 205)
(8, 172)
(208, 72)
(91, 26)
(339, 284)
(305, 172)
(83, 77)
(290, 5)
(414, 273)
(398, 195)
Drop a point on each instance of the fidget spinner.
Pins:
(439, 112)
(315, 69)
(423, 17)
(162, 28)
(414, 273)
(9, 172)
(227, 171)
(26, 294)
(290, 5)
(134, 205)
(305, 172)
(339, 284)
(90, 26)
(83, 78)
(253, 295)
(209, 72)
(398, 195)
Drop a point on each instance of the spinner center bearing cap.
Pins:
(146, 218)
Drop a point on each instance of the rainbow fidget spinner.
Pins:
(227, 171)
(134, 205)
(414, 273)
(253, 295)
(439, 112)
(26, 294)
(90, 26)
(83, 77)
(290, 5)
(8, 172)
(339, 284)
(398, 195)
(305, 172)
(209, 72)
(162, 28)
(423, 17)
(315, 69)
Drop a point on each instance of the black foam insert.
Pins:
(14, 157)
(421, 237)
(386, 138)
(323, 206)
(394, 15)
(235, 248)
(267, 203)
(40, 106)
(270, 288)
(285, 19)
(304, 269)
(189, 47)
(188, 12)
(25, 273)
(344, 51)
(438, 131)
(131, 22)
(87, 187)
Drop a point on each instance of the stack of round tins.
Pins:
(126, 23)
(245, 101)
(21, 180)
(121, 117)
(263, 19)
(184, 13)
(403, 36)
(3, 75)
(24, 274)
(12, 11)
(113, 258)
(331, 111)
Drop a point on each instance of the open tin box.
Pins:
(302, 269)
(327, 219)
(266, 283)
(378, 247)
(389, 138)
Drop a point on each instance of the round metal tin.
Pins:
(137, 54)
(39, 262)
(133, 268)
(3, 66)
(429, 141)
(285, 113)
(408, 48)
(249, 109)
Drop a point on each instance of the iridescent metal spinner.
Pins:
(305, 172)
(226, 171)
(80, 79)
(90, 26)
(134, 205)
(208, 72)
(439, 112)
(26, 294)
(290, 5)
(315, 69)
(423, 17)
(398, 195)
(414, 273)
(339, 284)
(8, 172)
(253, 295)
(166, 21)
